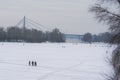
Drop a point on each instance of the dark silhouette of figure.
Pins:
(32, 63)
(29, 63)
(35, 63)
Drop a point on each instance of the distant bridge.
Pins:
(30, 24)
(73, 38)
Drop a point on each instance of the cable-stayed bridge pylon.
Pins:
(27, 23)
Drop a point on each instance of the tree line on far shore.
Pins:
(16, 34)
(102, 37)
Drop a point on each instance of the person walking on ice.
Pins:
(29, 63)
(35, 63)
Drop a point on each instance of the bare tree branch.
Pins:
(113, 20)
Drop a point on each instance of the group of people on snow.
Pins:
(32, 63)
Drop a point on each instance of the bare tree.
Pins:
(87, 37)
(111, 17)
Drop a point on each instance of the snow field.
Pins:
(56, 61)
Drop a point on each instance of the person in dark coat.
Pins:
(35, 63)
(29, 63)
(32, 63)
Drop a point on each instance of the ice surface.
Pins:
(56, 61)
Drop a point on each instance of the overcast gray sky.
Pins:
(70, 16)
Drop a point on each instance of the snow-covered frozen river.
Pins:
(57, 61)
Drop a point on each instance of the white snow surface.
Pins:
(55, 61)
